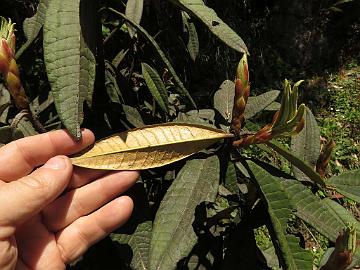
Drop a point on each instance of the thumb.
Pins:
(22, 199)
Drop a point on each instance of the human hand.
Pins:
(51, 216)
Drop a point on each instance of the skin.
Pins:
(51, 215)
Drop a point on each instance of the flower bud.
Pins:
(242, 92)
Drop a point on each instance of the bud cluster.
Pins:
(8, 66)
(242, 92)
(289, 120)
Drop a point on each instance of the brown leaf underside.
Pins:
(149, 147)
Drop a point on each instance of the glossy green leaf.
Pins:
(173, 235)
(179, 85)
(134, 11)
(258, 103)
(224, 99)
(280, 210)
(208, 16)
(70, 63)
(33, 25)
(156, 86)
(193, 40)
(300, 164)
(347, 184)
(306, 144)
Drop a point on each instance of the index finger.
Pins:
(22, 156)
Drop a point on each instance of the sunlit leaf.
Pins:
(313, 210)
(306, 144)
(258, 103)
(198, 9)
(193, 40)
(156, 86)
(224, 99)
(134, 10)
(300, 164)
(149, 147)
(347, 184)
(173, 234)
(69, 61)
(280, 210)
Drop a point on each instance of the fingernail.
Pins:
(55, 163)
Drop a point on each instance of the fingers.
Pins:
(22, 156)
(82, 176)
(82, 201)
(24, 198)
(75, 239)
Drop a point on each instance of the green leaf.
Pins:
(111, 85)
(5, 102)
(280, 211)
(203, 117)
(198, 9)
(313, 210)
(231, 178)
(343, 214)
(306, 144)
(119, 57)
(133, 116)
(9, 134)
(26, 127)
(179, 85)
(300, 164)
(156, 86)
(173, 235)
(136, 233)
(193, 40)
(69, 61)
(343, 2)
(274, 106)
(33, 25)
(224, 99)
(134, 11)
(258, 103)
(347, 184)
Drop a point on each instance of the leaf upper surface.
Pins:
(224, 99)
(149, 147)
(208, 16)
(69, 62)
(280, 211)
(258, 103)
(33, 25)
(173, 234)
(306, 144)
(348, 184)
